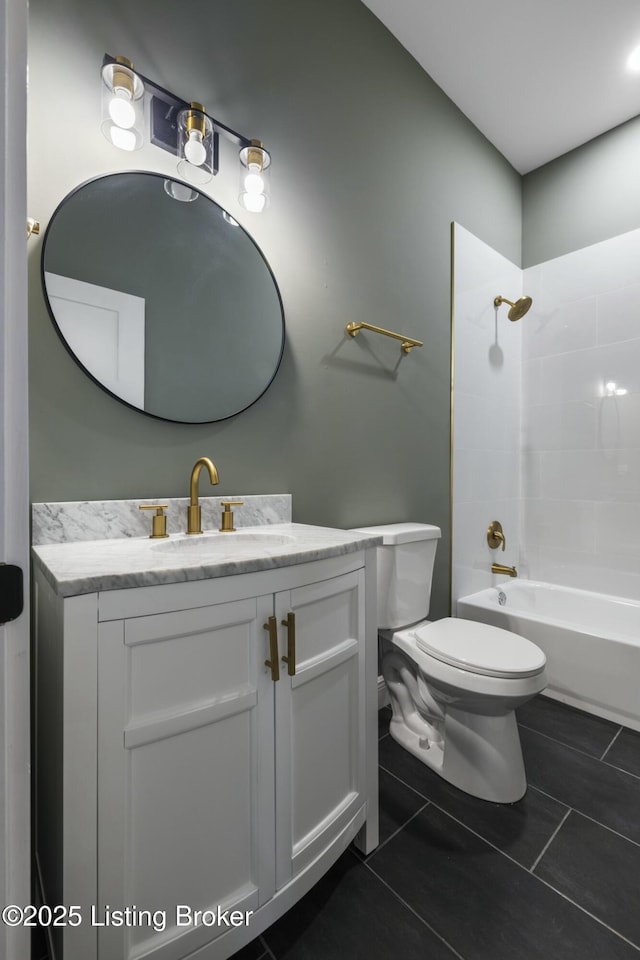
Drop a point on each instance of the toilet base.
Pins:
(480, 755)
(470, 740)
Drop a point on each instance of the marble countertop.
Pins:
(87, 566)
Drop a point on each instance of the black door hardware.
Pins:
(11, 592)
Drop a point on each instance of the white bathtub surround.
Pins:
(591, 641)
(486, 411)
(581, 419)
(112, 519)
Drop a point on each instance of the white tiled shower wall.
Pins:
(486, 410)
(547, 417)
(581, 419)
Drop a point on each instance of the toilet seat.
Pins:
(479, 648)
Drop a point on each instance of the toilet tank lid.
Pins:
(402, 532)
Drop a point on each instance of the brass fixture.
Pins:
(495, 536)
(255, 178)
(226, 525)
(408, 343)
(194, 119)
(290, 659)
(159, 527)
(33, 227)
(122, 121)
(518, 309)
(194, 510)
(500, 568)
(272, 663)
(181, 127)
(195, 144)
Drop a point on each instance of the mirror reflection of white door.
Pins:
(105, 329)
(14, 491)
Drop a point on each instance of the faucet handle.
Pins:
(159, 528)
(227, 516)
(495, 536)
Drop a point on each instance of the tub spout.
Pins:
(501, 568)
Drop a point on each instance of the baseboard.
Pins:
(383, 694)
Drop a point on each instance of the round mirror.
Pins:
(162, 298)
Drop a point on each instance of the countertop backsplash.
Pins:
(77, 520)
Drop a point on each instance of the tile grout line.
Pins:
(612, 743)
(404, 783)
(613, 766)
(580, 813)
(586, 816)
(582, 753)
(534, 875)
(396, 832)
(560, 742)
(414, 912)
(549, 842)
(268, 951)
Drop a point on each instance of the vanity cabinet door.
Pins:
(319, 719)
(185, 773)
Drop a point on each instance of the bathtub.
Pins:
(591, 641)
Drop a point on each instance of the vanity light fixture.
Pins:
(195, 144)
(180, 127)
(255, 187)
(122, 104)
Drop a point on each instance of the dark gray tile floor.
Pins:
(554, 875)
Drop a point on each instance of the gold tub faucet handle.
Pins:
(226, 525)
(495, 536)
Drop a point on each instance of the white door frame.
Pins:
(14, 508)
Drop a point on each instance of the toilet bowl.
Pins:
(454, 684)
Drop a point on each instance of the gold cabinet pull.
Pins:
(272, 627)
(290, 659)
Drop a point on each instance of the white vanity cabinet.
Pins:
(176, 773)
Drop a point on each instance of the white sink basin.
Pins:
(230, 545)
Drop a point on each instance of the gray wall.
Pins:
(371, 163)
(587, 195)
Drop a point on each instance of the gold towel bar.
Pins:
(33, 227)
(408, 343)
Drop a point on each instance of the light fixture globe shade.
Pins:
(253, 202)
(196, 144)
(255, 187)
(194, 149)
(121, 109)
(122, 112)
(123, 139)
(254, 182)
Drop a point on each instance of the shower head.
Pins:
(518, 309)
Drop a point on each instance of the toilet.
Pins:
(454, 684)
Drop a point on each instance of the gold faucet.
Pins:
(500, 568)
(194, 510)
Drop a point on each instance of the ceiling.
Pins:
(537, 77)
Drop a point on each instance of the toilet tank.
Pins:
(405, 570)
